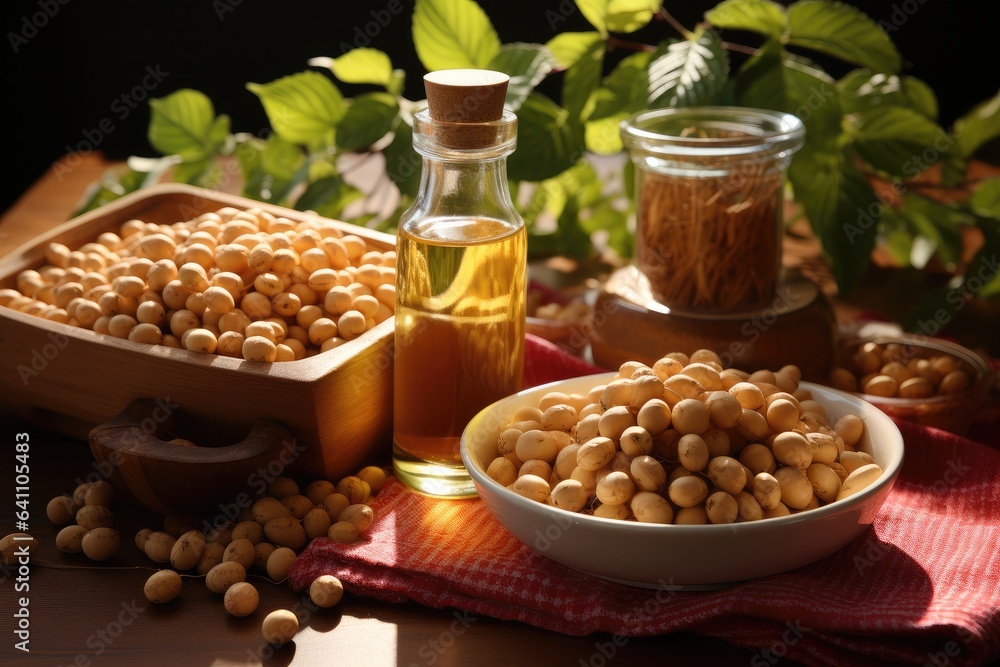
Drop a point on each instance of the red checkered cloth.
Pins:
(921, 587)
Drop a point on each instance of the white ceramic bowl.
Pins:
(707, 556)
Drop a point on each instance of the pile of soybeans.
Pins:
(686, 442)
(240, 283)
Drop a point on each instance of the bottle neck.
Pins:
(464, 188)
(464, 172)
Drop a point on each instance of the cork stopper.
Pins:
(466, 97)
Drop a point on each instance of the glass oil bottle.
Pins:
(460, 280)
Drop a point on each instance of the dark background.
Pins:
(72, 71)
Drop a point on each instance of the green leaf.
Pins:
(843, 32)
(184, 123)
(582, 183)
(303, 108)
(368, 119)
(604, 217)
(761, 16)
(618, 15)
(396, 82)
(622, 241)
(219, 135)
(623, 93)
(283, 166)
(946, 215)
(451, 34)
(555, 192)
(980, 125)
(581, 79)
(896, 235)
(920, 96)
(628, 181)
(726, 96)
(576, 201)
(624, 89)
(938, 223)
(402, 164)
(192, 171)
(595, 11)
(985, 201)
(602, 136)
(320, 169)
(953, 167)
(568, 240)
(573, 240)
(688, 72)
(773, 80)
(271, 168)
(842, 209)
(896, 140)
(359, 66)
(607, 218)
(248, 152)
(328, 197)
(281, 159)
(113, 184)
(944, 241)
(547, 142)
(629, 15)
(568, 47)
(526, 65)
(539, 202)
(861, 90)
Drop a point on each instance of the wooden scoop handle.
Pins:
(174, 479)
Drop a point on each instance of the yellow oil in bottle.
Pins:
(460, 307)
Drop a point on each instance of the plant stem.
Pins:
(687, 34)
(926, 186)
(739, 48)
(620, 43)
(665, 15)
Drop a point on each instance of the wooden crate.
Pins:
(338, 404)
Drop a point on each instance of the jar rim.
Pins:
(754, 131)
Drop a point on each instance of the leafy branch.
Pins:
(872, 136)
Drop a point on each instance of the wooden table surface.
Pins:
(83, 613)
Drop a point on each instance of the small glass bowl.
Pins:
(950, 412)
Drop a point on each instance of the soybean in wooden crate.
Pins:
(322, 307)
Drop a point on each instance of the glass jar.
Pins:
(708, 186)
(461, 278)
